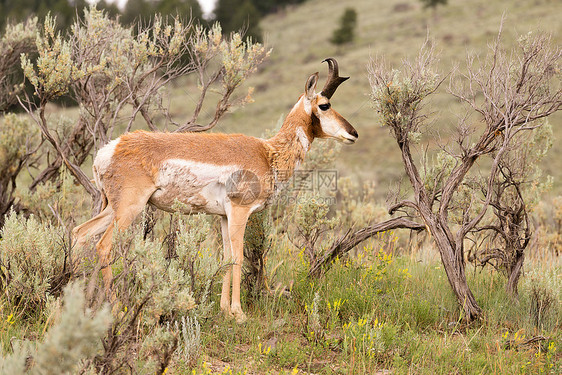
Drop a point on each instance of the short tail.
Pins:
(99, 185)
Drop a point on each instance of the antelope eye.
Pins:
(324, 107)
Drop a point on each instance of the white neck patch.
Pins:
(303, 139)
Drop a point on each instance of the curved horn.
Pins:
(334, 80)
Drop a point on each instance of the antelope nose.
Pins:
(353, 132)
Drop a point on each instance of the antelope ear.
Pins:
(310, 87)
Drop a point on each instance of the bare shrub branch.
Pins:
(510, 92)
(349, 240)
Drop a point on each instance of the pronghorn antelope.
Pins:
(231, 175)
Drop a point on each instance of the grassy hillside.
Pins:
(385, 308)
(394, 29)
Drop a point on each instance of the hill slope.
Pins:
(394, 29)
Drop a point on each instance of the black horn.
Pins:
(334, 80)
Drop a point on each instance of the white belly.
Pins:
(192, 187)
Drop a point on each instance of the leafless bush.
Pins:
(510, 92)
(504, 234)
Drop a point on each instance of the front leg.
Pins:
(236, 226)
(227, 259)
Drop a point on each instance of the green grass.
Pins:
(398, 315)
(373, 311)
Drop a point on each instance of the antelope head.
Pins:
(326, 122)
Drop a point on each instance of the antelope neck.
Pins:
(290, 145)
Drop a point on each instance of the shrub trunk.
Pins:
(452, 257)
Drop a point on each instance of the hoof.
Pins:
(227, 314)
(112, 297)
(240, 318)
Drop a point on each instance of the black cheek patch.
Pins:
(317, 131)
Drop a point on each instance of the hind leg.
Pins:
(97, 225)
(130, 204)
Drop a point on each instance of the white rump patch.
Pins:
(104, 155)
(102, 161)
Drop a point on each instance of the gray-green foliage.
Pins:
(189, 331)
(173, 285)
(196, 260)
(18, 140)
(438, 167)
(257, 242)
(358, 207)
(54, 72)
(56, 200)
(152, 288)
(314, 326)
(18, 137)
(16, 39)
(525, 159)
(322, 155)
(397, 95)
(154, 352)
(117, 73)
(311, 216)
(33, 258)
(312, 221)
(15, 363)
(75, 336)
(121, 65)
